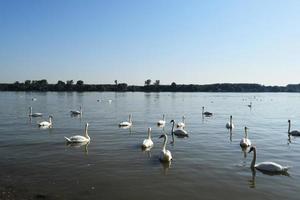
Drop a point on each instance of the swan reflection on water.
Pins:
(166, 166)
(83, 145)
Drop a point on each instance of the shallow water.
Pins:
(37, 164)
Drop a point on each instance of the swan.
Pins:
(46, 124)
(294, 132)
(165, 155)
(178, 132)
(245, 142)
(80, 138)
(126, 123)
(181, 124)
(266, 166)
(147, 143)
(76, 112)
(206, 114)
(161, 122)
(229, 124)
(34, 114)
(250, 105)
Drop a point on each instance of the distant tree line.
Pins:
(69, 85)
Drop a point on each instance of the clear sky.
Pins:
(185, 41)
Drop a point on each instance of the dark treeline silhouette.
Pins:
(43, 85)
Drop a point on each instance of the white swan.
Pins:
(250, 105)
(161, 122)
(126, 124)
(294, 132)
(206, 114)
(34, 114)
(245, 142)
(165, 155)
(229, 124)
(147, 143)
(178, 132)
(181, 124)
(266, 166)
(76, 112)
(80, 138)
(45, 124)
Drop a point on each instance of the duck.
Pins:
(80, 138)
(147, 143)
(126, 124)
(76, 112)
(165, 155)
(46, 124)
(294, 132)
(206, 113)
(181, 124)
(178, 132)
(271, 167)
(161, 122)
(245, 142)
(229, 124)
(34, 114)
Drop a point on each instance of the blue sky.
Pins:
(192, 42)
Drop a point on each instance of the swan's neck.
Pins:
(30, 111)
(202, 110)
(163, 117)
(130, 119)
(165, 143)
(246, 133)
(80, 109)
(50, 120)
(172, 132)
(183, 119)
(289, 129)
(86, 132)
(230, 121)
(254, 159)
(149, 134)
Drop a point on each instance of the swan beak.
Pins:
(251, 149)
(161, 136)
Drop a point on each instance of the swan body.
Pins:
(161, 122)
(206, 113)
(76, 112)
(245, 142)
(46, 124)
(181, 124)
(80, 138)
(229, 124)
(126, 124)
(34, 114)
(165, 155)
(294, 132)
(147, 143)
(267, 166)
(178, 132)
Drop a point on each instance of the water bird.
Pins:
(266, 166)
(147, 143)
(46, 124)
(34, 114)
(229, 124)
(294, 132)
(80, 138)
(76, 112)
(178, 132)
(206, 113)
(165, 155)
(161, 122)
(33, 99)
(126, 124)
(245, 142)
(181, 124)
(250, 105)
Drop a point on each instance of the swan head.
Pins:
(50, 116)
(87, 125)
(251, 149)
(163, 135)
(172, 121)
(289, 121)
(246, 128)
(149, 129)
(230, 116)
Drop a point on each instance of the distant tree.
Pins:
(17, 83)
(70, 82)
(173, 84)
(148, 82)
(27, 82)
(60, 83)
(116, 82)
(157, 82)
(80, 82)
